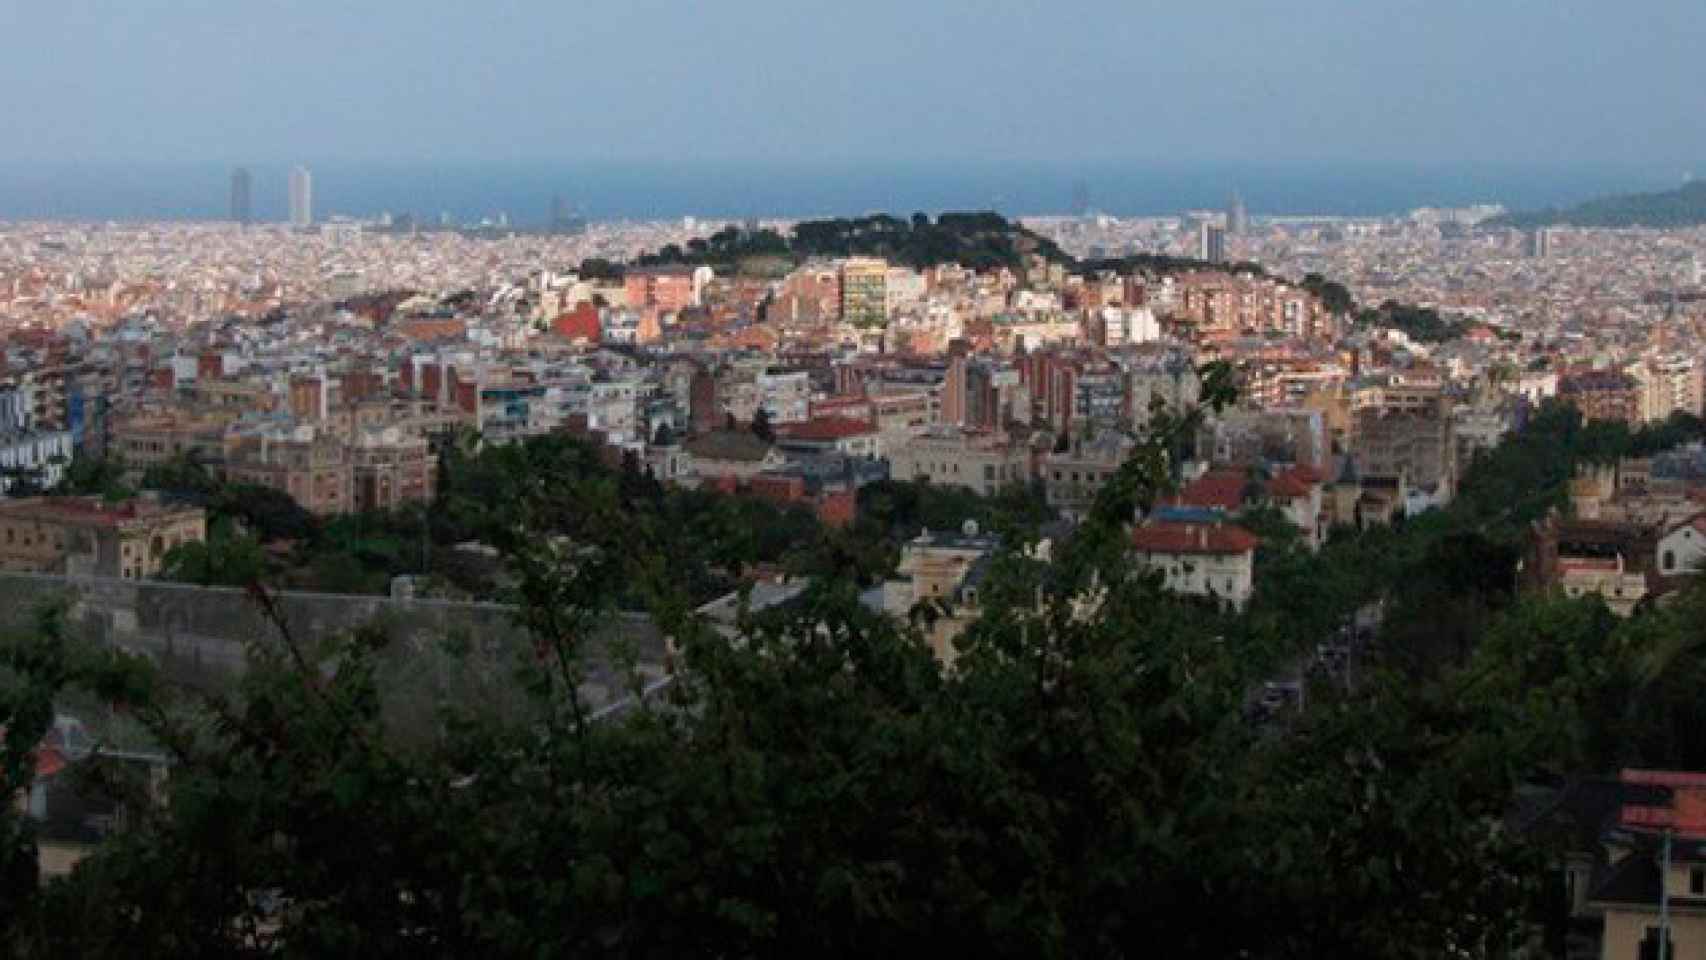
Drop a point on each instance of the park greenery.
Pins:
(1421, 324)
(1084, 781)
(978, 241)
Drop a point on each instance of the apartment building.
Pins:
(864, 291)
(981, 462)
(150, 438)
(1073, 477)
(1603, 395)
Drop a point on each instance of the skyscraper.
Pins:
(1211, 244)
(241, 190)
(301, 198)
(1237, 217)
(1539, 243)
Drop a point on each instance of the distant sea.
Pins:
(99, 191)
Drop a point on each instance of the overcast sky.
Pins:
(1543, 83)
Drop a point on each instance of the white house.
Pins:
(1201, 559)
(1683, 550)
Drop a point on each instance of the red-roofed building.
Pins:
(1295, 491)
(1218, 490)
(826, 435)
(1214, 560)
(1652, 868)
(1299, 493)
(851, 407)
(581, 323)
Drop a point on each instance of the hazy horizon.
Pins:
(724, 189)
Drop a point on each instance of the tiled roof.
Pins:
(1203, 538)
(826, 428)
(1306, 474)
(1288, 486)
(1217, 488)
(85, 511)
(729, 445)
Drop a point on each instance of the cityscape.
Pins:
(1223, 581)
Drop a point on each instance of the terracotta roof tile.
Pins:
(826, 428)
(1171, 537)
(1217, 488)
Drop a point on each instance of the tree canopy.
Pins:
(1084, 781)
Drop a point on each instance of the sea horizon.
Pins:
(101, 191)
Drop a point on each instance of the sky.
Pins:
(1508, 83)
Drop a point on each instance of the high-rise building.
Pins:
(864, 291)
(301, 197)
(1211, 244)
(1237, 217)
(1539, 243)
(241, 194)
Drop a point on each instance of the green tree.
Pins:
(1081, 782)
(94, 476)
(226, 558)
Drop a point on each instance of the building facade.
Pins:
(87, 536)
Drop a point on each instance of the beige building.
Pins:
(149, 439)
(87, 536)
(1418, 448)
(1072, 478)
(1610, 578)
(945, 569)
(981, 462)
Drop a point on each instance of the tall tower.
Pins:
(1539, 243)
(1211, 244)
(301, 197)
(241, 193)
(1237, 217)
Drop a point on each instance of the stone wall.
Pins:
(205, 631)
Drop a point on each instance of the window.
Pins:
(1650, 945)
(1670, 560)
(1697, 882)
